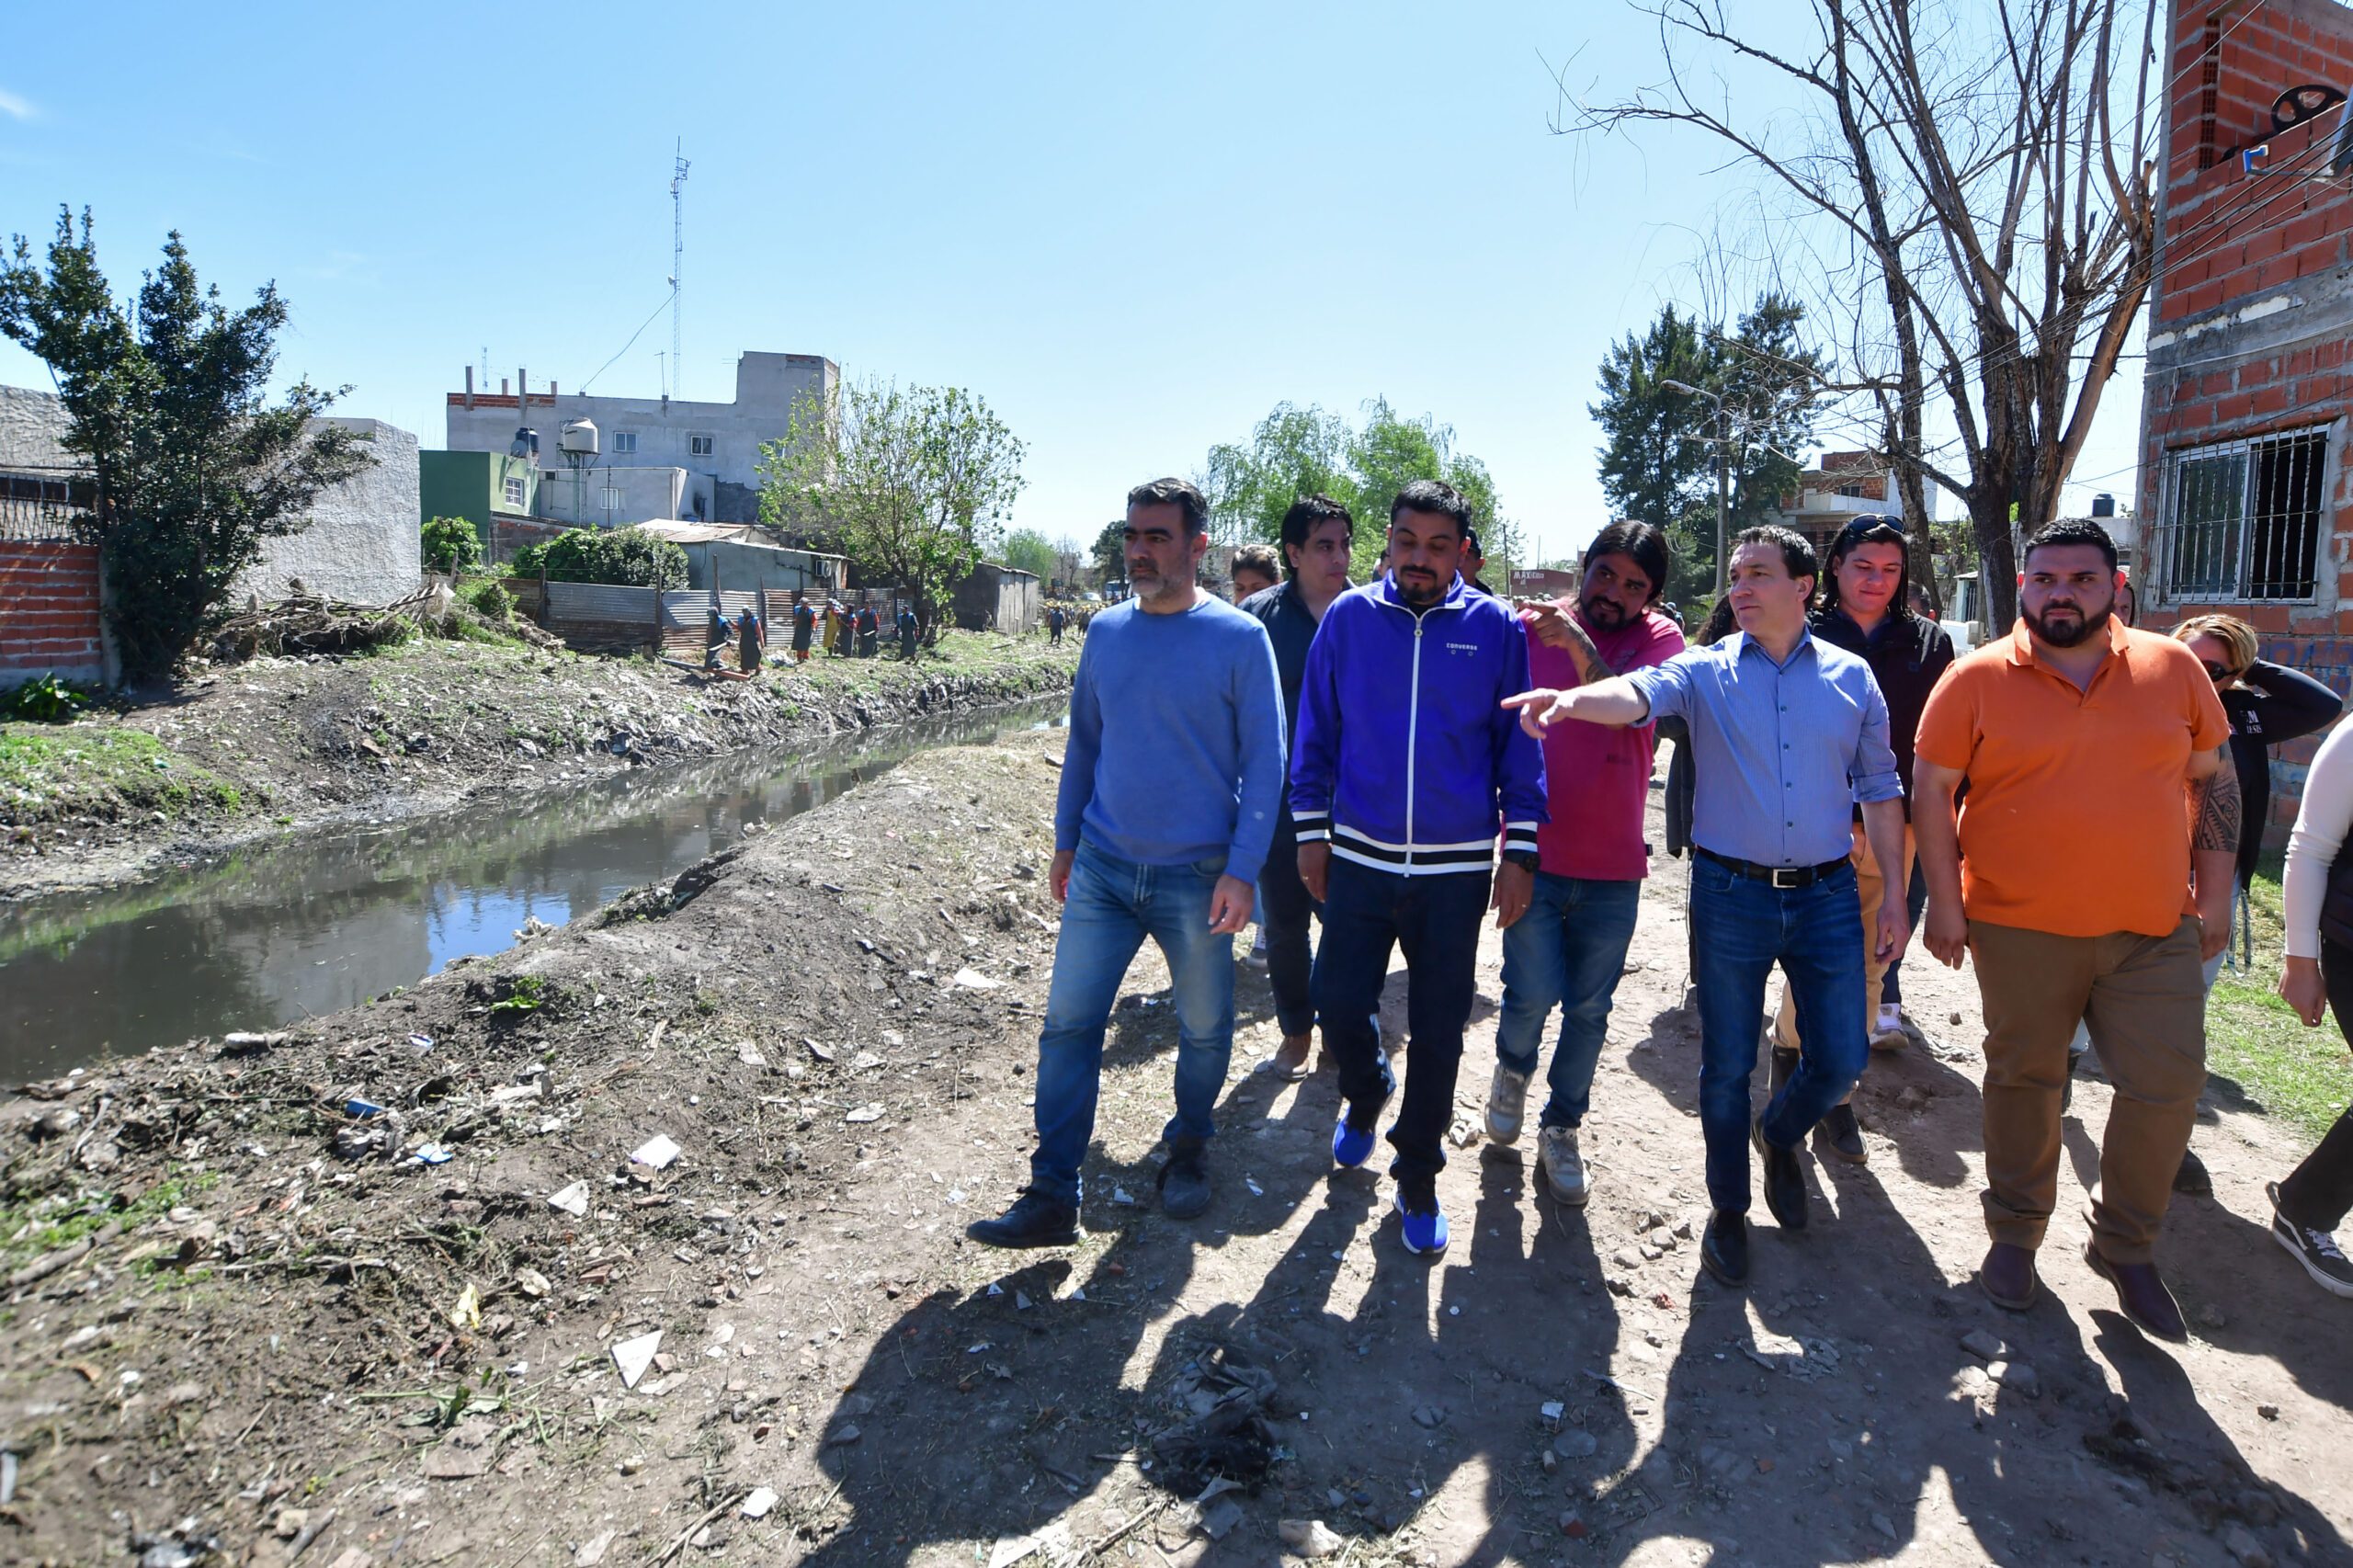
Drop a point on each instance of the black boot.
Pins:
(1842, 1136)
(1785, 1067)
(1784, 1179)
(1034, 1221)
(1723, 1251)
(1184, 1180)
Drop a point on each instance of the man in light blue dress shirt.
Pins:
(1789, 734)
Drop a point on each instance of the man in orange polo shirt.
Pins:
(2083, 886)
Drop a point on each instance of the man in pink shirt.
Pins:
(1570, 947)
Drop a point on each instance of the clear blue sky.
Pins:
(1133, 232)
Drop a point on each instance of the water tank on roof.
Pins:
(579, 437)
(2103, 505)
(527, 443)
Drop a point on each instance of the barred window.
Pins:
(2243, 518)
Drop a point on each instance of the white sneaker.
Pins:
(1563, 1168)
(1507, 1103)
(1887, 1032)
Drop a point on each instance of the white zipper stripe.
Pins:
(1344, 830)
(1412, 731)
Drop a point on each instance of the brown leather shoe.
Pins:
(2143, 1297)
(1291, 1060)
(2008, 1276)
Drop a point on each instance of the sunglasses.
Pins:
(2218, 674)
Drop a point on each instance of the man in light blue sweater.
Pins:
(1170, 788)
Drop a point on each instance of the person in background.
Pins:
(804, 627)
(751, 636)
(870, 632)
(2081, 887)
(1317, 534)
(1055, 620)
(1405, 764)
(2307, 1208)
(1569, 949)
(1475, 561)
(826, 630)
(1254, 568)
(1170, 786)
(1790, 733)
(1921, 605)
(1866, 611)
(910, 629)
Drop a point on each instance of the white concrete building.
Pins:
(717, 445)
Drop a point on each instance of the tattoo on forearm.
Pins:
(1591, 665)
(2219, 808)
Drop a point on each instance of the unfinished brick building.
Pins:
(2243, 430)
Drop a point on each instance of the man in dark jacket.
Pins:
(1405, 764)
(1317, 534)
(1867, 609)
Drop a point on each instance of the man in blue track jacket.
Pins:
(1404, 768)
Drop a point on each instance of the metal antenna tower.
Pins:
(677, 262)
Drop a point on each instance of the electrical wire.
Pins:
(632, 342)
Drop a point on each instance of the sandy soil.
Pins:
(295, 1323)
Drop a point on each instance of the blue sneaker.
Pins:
(1424, 1228)
(1350, 1147)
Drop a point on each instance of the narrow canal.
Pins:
(275, 933)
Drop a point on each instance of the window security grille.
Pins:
(2243, 519)
(515, 494)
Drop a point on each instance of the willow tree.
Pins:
(1966, 188)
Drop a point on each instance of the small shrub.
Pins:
(528, 561)
(47, 700)
(450, 544)
(489, 599)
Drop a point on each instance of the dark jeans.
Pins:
(1287, 908)
(1435, 920)
(1113, 905)
(2320, 1191)
(1916, 899)
(1568, 951)
(1740, 928)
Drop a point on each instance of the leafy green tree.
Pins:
(450, 544)
(1659, 463)
(912, 483)
(166, 399)
(626, 557)
(1032, 551)
(1111, 550)
(1299, 451)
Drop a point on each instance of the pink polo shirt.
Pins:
(1598, 778)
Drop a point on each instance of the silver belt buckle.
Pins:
(1789, 871)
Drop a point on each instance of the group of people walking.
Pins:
(844, 633)
(1399, 758)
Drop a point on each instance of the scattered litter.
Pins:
(1553, 1410)
(514, 1094)
(749, 1055)
(1121, 1196)
(976, 1349)
(1256, 1190)
(819, 1051)
(1219, 1522)
(467, 1312)
(433, 1154)
(1020, 1302)
(1079, 1294)
(243, 1039)
(420, 1043)
(1309, 1538)
(995, 1290)
(870, 1111)
(634, 1356)
(974, 979)
(572, 1199)
(762, 1500)
(532, 1282)
(657, 1153)
(362, 1108)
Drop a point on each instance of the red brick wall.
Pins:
(49, 610)
(2230, 235)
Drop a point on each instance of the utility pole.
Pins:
(678, 260)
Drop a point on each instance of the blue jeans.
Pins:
(1436, 921)
(1740, 928)
(1113, 905)
(1568, 950)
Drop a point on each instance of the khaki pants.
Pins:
(1872, 887)
(2142, 1000)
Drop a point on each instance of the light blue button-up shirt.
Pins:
(1783, 752)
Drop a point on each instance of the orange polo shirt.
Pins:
(2076, 822)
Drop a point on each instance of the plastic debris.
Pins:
(1122, 1197)
(515, 1093)
(572, 1199)
(656, 1153)
(870, 1111)
(467, 1312)
(532, 1282)
(819, 1051)
(758, 1505)
(433, 1154)
(634, 1356)
(1309, 1538)
(420, 1042)
(362, 1108)
(974, 979)
(1256, 1190)
(246, 1039)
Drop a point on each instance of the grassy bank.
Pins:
(2302, 1076)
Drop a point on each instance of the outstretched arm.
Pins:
(1614, 702)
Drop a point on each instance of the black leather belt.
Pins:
(1779, 876)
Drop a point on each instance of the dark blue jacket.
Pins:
(1405, 757)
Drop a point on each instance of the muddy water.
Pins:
(276, 935)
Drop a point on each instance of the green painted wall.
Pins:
(472, 485)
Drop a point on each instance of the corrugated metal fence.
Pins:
(601, 615)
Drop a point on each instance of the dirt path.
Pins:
(911, 1398)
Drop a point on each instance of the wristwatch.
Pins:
(1526, 859)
